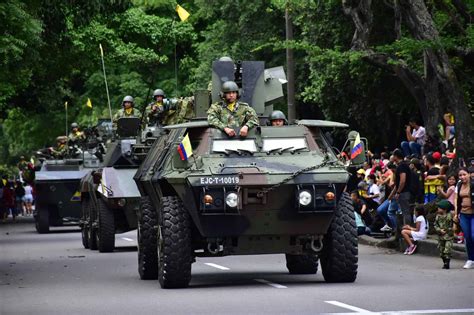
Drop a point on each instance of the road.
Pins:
(53, 274)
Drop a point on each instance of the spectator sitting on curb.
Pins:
(361, 208)
(413, 234)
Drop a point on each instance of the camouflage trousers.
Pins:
(445, 248)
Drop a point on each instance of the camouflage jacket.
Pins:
(444, 222)
(219, 116)
(59, 152)
(121, 113)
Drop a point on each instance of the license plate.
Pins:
(221, 180)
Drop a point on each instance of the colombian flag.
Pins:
(184, 149)
(357, 149)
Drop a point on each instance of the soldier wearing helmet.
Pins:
(230, 113)
(277, 118)
(127, 109)
(61, 148)
(156, 110)
(75, 135)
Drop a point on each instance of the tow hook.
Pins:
(319, 247)
(214, 247)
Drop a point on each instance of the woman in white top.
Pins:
(28, 199)
(419, 232)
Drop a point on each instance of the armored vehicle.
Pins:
(109, 196)
(57, 183)
(279, 190)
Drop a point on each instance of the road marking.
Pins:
(349, 307)
(452, 311)
(275, 285)
(127, 239)
(217, 266)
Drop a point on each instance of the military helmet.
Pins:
(128, 98)
(74, 125)
(61, 139)
(158, 92)
(226, 58)
(277, 114)
(229, 86)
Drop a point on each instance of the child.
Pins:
(444, 227)
(449, 193)
(417, 233)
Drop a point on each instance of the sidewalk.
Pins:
(427, 247)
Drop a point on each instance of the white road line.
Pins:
(275, 285)
(217, 266)
(127, 239)
(349, 307)
(452, 311)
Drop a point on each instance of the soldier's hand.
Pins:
(244, 131)
(154, 108)
(229, 131)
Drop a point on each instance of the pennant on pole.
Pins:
(65, 105)
(89, 103)
(101, 50)
(183, 14)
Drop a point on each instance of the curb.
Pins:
(427, 247)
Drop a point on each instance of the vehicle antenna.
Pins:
(105, 79)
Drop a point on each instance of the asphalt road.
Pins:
(53, 274)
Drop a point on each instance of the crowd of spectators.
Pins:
(418, 182)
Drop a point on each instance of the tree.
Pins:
(437, 81)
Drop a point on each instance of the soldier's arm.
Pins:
(436, 226)
(213, 118)
(252, 118)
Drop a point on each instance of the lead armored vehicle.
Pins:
(109, 196)
(57, 183)
(279, 190)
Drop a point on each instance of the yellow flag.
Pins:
(65, 105)
(89, 103)
(183, 14)
(101, 50)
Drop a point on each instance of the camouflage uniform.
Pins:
(122, 113)
(219, 116)
(445, 242)
(179, 111)
(155, 117)
(60, 151)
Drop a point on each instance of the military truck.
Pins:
(109, 196)
(279, 190)
(57, 183)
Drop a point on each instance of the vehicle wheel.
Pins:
(105, 234)
(302, 264)
(42, 220)
(174, 244)
(92, 226)
(147, 236)
(85, 215)
(340, 250)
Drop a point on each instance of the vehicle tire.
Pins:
(175, 254)
(92, 237)
(340, 248)
(147, 236)
(85, 215)
(106, 228)
(42, 220)
(302, 264)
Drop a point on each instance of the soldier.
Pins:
(277, 118)
(76, 135)
(229, 113)
(127, 109)
(444, 227)
(60, 150)
(155, 111)
(22, 165)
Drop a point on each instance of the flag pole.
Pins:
(105, 79)
(65, 106)
(175, 60)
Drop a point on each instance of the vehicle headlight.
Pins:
(122, 202)
(305, 198)
(232, 200)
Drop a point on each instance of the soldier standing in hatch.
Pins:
(60, 150)
(155, 111)
(277, 119)
(229, 113)
(127, 109)
(75, 135)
